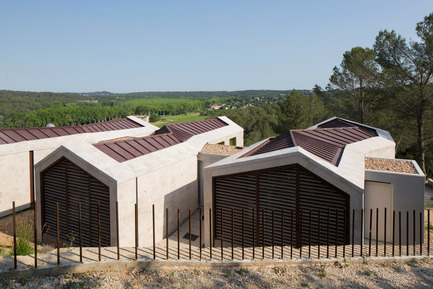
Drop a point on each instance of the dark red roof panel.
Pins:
(186, 130)
(8, 136)
(326, 143)
(165, 137)
(338, 123)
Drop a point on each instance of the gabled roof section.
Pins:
(8, 136)
(167, 136)
(326, 143)
(339, 122)
(185, 130)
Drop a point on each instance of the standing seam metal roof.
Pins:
(326, 143)
(15, 135)
(168, 135)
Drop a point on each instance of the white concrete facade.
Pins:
(167, 178)
(15, 164)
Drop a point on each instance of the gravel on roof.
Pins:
(390, 165)
(220, 149)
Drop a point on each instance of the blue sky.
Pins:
(127, 46)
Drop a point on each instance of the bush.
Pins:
(25, 233)
(154, 118)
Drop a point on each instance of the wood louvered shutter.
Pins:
(288, 193)
(68, 184)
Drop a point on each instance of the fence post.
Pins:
(136, 230)
(327, 234)
(428, 232)
(407, 233)
(233, 245)
(369, 234)
(222, 235)
(393, 232)
(166, 234)
(243, 233)
(272, 224)
(420, 233)
(178, 235)
(344, 232)
(414, 233)
(254, 231)
(399, 232)
(336, 232)
(210, 234)
(300, 248)
(353, 234)
(263, 233)
(200, 224)
(58, 235)
(36, 234)
(189, 219)
(384, 233)
(14, 229)
(80, 232)
(319, 237)
(117, 230)
(377, 231)
(282, 234)
(153, 231)
(99, 230)
(309, 237)
(362, 228)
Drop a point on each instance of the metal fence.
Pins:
(290, 235)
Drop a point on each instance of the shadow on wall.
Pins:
(183, 199)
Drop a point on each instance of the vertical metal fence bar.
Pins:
(428, 232)
(136, 230)
(393, 232)
(327, 233)
(36, 233)
(189, 231)
(384, 233)
(272, 233)
(361, 234)
(336, 232)
(117, 230)
(254, 231)
(263, 233)
(300, 233)
(222, 235)
(243, 233)
(399, 232)
(200, 229)
(178, 235)
(319, 237)
(233, 237)
(99, 231)
(153, 231)
(414, 233)
(309, 237)
(407, 233)
(282, 234)
(80, 232)
(291, 234)
(420, 233)
(377, 231)
(369, 232)
(58, 235)
(166, 234)
(353, 233)
(14, 229)
(210, 234)
(345, 232)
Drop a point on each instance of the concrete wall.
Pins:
(408, 195)
(15, 165)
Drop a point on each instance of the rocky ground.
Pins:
(337, 275)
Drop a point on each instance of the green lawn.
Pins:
(178, 118)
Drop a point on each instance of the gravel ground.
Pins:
(337, 275)
(400, 166)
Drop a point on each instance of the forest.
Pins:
(388, 86)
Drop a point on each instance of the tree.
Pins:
(407, 70)
(355, 78)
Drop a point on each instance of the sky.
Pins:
(131, 46)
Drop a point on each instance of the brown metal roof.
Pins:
(14, 135)
(338, 122)
(326, 143)
(168, 135)
(185, 130)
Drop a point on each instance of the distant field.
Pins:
(178, 118)
(155, 101)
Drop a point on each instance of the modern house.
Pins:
(332, 170)
(160, 169)
(21, 149)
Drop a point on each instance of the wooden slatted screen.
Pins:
(68, 184)
(289, 191)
